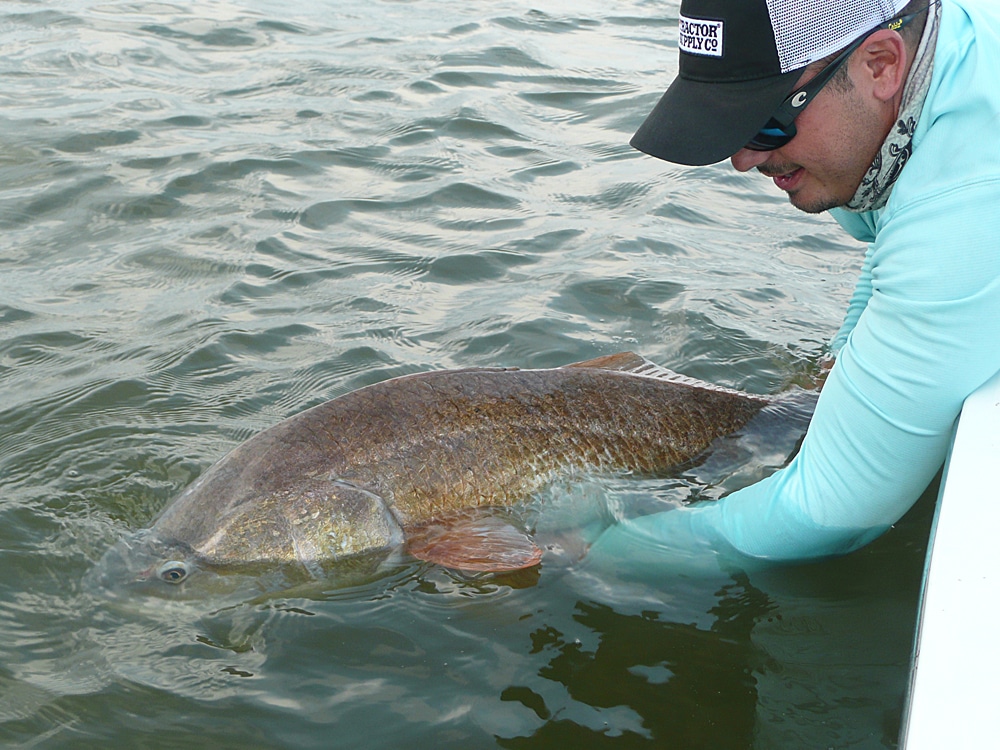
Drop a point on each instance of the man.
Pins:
(886, 113)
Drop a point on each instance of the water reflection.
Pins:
(648, 678)
(813, 655)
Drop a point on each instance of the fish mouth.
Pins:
(109, 572)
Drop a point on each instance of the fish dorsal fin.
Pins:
(624, 361)
(635, 364)
(473, 541)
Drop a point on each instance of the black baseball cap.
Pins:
(739, 59)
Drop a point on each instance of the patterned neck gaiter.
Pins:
(875, 187)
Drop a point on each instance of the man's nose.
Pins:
(746, 159)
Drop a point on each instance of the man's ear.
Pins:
(883, 64)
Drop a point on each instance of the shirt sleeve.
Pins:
(926, 335)
(857, 305)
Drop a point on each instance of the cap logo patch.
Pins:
(700, 37)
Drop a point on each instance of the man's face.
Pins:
(838, 136)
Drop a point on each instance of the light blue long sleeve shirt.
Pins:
(922, 332)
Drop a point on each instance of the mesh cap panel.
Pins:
(808, 30)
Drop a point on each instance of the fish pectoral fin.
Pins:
(481, 543)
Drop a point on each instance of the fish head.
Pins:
(308, 524)
(145, 563)
(321, 529)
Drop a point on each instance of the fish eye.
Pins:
(173, 571)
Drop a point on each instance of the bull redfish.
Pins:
(413, 463)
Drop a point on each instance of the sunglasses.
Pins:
(780, 129)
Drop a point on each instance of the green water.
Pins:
(217, 214)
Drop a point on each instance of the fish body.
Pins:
(395, 462)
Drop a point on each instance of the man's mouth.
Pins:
(785, 180)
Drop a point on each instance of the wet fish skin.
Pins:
(359, 473)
